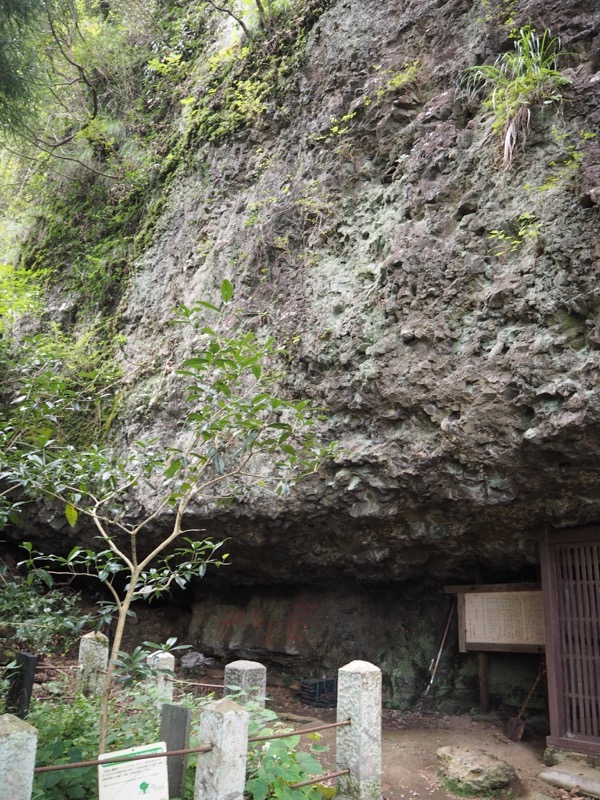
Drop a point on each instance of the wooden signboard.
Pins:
(500, 617)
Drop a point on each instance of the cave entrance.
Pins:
(571, 593)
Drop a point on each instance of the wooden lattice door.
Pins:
(571, 588)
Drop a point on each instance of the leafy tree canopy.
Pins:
(19, 61)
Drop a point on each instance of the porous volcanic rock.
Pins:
(474, 771)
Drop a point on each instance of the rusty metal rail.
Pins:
(205, 748)
(193, 683)
(301, 732)
(320, 778)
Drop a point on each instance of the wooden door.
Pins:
(571, 591)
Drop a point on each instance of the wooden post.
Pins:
(484, 683)
(21, 684)
(482, 657)
(175, 732)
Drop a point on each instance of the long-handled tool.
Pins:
(436, 661)
(515, 726)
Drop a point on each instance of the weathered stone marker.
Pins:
(93, 660)
(18, 742)
(21, 684)
(175, 732)
(221, 774)
(249, 676)
(359, 744)
(164, 666)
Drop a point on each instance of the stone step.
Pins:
(569, 776)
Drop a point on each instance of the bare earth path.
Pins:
(411, 741)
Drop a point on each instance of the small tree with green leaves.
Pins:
(240, 438)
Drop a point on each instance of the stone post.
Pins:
(221, 774)
(93, 660)
(164, 664)
(250, 677)
(359, 744)
(18, 742)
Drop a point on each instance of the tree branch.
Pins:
(230, 13)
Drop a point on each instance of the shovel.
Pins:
(515, 726)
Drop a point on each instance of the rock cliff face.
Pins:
(442, 308)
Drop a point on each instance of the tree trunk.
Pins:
(110, 667)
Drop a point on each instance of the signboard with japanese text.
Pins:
(129, 780)
(499, 617)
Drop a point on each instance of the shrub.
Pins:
(44, 619)
(518, 80)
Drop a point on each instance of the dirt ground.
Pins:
(411, 741)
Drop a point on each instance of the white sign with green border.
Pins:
(130, 780)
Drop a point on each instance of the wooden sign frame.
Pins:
(500, 617)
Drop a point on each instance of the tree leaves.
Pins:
(226, 291)
(71, 514)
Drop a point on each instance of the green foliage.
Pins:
(518, 80)
(240, 81)
(274, 765)
(241, 438)
(67, 732)
(498, 12)
(20, 293)
(565, 170)
(58, 388)
(385, 84)
(527, 229)
(19, 62)
(45, 619)
(253, 16)
(279, 765)
(87, 238)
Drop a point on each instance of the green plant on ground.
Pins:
(68, 732)
(279, 765)
(273, 766)
(511, 240)
(130, 668)
(519, 79)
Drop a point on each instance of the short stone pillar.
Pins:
(93, 660)
(18, 742)
(359, 744)
(221, 773)
(163, 665)
(248, 676)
